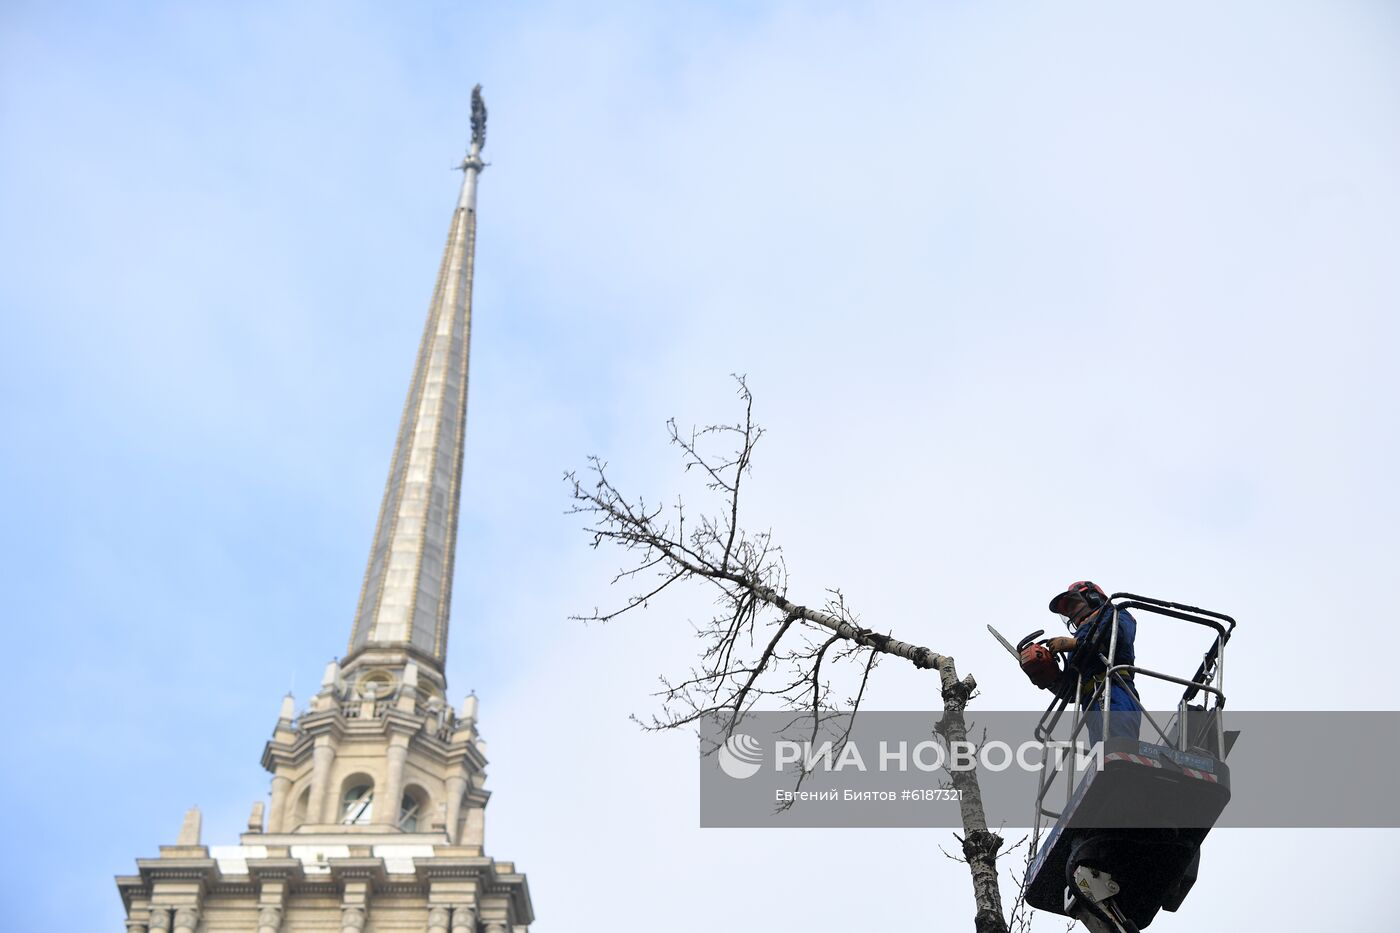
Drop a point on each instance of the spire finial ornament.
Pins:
(478, 120)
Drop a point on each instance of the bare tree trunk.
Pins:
(979, 844)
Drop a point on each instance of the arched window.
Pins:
(357, 806)
(299, 808)
(411, 810)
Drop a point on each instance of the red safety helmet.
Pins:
(1091, 593)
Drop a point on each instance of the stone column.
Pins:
(352, 919)
(321, 758)
(274, 878)
(276, 820)
(397, 752)
(135, 926)
(186, 919)
(474, 830)
(497, 926)
(160, 919)
(270, 919)
(463, 919)
(456, 787)
(437, 920)
(354, 900)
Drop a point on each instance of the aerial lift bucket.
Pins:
(1127, 842)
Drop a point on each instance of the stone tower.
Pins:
(375, 821)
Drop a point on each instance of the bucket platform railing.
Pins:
(1209, 679)
(1126, 841)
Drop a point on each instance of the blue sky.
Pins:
(940, 239)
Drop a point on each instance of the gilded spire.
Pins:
(408, 584)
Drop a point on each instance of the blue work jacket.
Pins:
(1094, 638)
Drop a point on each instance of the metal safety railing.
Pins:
(1209, 679)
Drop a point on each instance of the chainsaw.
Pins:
(1037, 661)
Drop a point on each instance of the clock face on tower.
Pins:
(375, 684)
(427, 693)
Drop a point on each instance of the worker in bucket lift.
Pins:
(1089, 615)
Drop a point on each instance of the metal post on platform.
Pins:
(1220, 697)
(1073, 737)
(1108, 675)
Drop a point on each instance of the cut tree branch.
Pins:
(800, 644)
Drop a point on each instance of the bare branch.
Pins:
(760, 647)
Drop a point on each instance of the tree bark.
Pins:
(979, 844)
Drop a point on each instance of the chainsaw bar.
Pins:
(1005, 644)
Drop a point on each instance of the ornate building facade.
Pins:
(375, 821)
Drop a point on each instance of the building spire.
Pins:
(407, 589)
